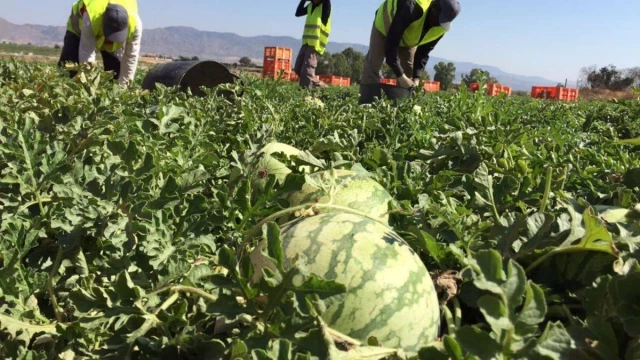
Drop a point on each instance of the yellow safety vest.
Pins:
(96, 9)
(412, 35)
(316, 34)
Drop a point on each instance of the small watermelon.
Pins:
(355, 190)
(390, 294)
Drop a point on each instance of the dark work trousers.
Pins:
(71, 53)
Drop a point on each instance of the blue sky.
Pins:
(550, 38)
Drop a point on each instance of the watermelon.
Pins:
(390, 294)
(355, 190)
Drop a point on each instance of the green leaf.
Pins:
(274, 244)
(607, 343)
(535, 307)
(495, 312)
(555, 342)
(478, 343)
(629, 142)
(238, 349)
(453, 348)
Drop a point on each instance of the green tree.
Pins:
(356, 63)
(607, 78)
(478, 76)
(445, 74)
(245, 61)
(325, 64)
(341, 66)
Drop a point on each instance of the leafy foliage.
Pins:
(125, 217)
(445, 73)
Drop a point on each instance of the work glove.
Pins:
(405, 82)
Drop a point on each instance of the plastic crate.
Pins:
(492, 89)
(277, 53)
(568, 94)
(274, 67)
(432, 86)
(544, 92)
(389, 81)
(497, 89)
(335, 80)
(554, 93)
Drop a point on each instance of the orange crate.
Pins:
(492, 89)
(272, 68)
(277, 53)
(568, 94)
(432, 86)
(497, 89)
(335, 80)
(544, 92)
(388, 81)
(555, 93)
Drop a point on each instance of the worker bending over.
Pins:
(112, 27)
(314, 40)
(404, 33)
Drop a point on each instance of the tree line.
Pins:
(609, 78)
(349, 63)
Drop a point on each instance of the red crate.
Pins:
(277, 53)
(335, 80)
(568, 94)
(388, 81)
(492, 89)
(544, 92)
(432, 86)
(554, 93)
(272, 68)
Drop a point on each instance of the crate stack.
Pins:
(335, 80)
(492, 89)
(554, 93)
(277, 60)
(432, 86)
(388, 81)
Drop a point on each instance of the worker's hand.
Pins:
(405, 82)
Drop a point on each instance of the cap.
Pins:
(116, 23)
(449, 9)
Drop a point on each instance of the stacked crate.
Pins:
(492, 89)
(432, 86)
(335, 80)
(388, 81)
(277, 60)
(554, 93)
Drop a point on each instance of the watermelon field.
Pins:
(264, 221)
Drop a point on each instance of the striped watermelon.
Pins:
(390, 294)
(355, 190)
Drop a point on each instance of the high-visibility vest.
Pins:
(96, 9)
(413, 34)
(316, 33)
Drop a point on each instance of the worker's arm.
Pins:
(302, 9)
(129, 62)
(422, 57)
(326, 11)
(408, 12)
(87, 51)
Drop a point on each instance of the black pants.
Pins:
(71, 53)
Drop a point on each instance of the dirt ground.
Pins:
(589, 94)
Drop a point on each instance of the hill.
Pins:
(229, 47)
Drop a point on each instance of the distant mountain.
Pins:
(229, 47)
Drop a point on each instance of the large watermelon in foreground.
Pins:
(390, 294)
(354, 190)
